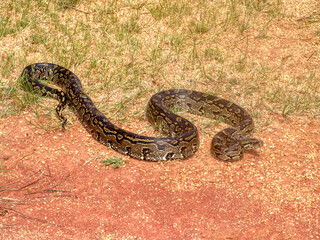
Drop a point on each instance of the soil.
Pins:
(53, 185)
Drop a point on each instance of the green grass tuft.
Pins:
(115, 162)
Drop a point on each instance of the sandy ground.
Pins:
(57, 187)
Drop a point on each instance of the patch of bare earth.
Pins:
(57, 182)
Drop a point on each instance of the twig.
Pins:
(33, 182)
(3, 225)
(49, 171)
(51, 189)
(22, 178)
(20, 188)
(20, 160)
(10, 200)
(29, 217)
(79, 10)
(62, 195)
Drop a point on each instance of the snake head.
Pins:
(247, 142)
(251, 143)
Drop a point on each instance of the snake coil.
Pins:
(182, 136)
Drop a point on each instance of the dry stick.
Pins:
(79, 10)
(23, 178)
(16, 163)
(33, 218)
(33, 182)
(24, 186)
(52, 188)
(3, 225)
(49, 170)
(62, 195)
(10, 200)
(49, 189)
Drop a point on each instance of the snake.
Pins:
(180, 137)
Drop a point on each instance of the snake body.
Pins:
(182, 136)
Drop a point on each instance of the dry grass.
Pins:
(263, 55)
